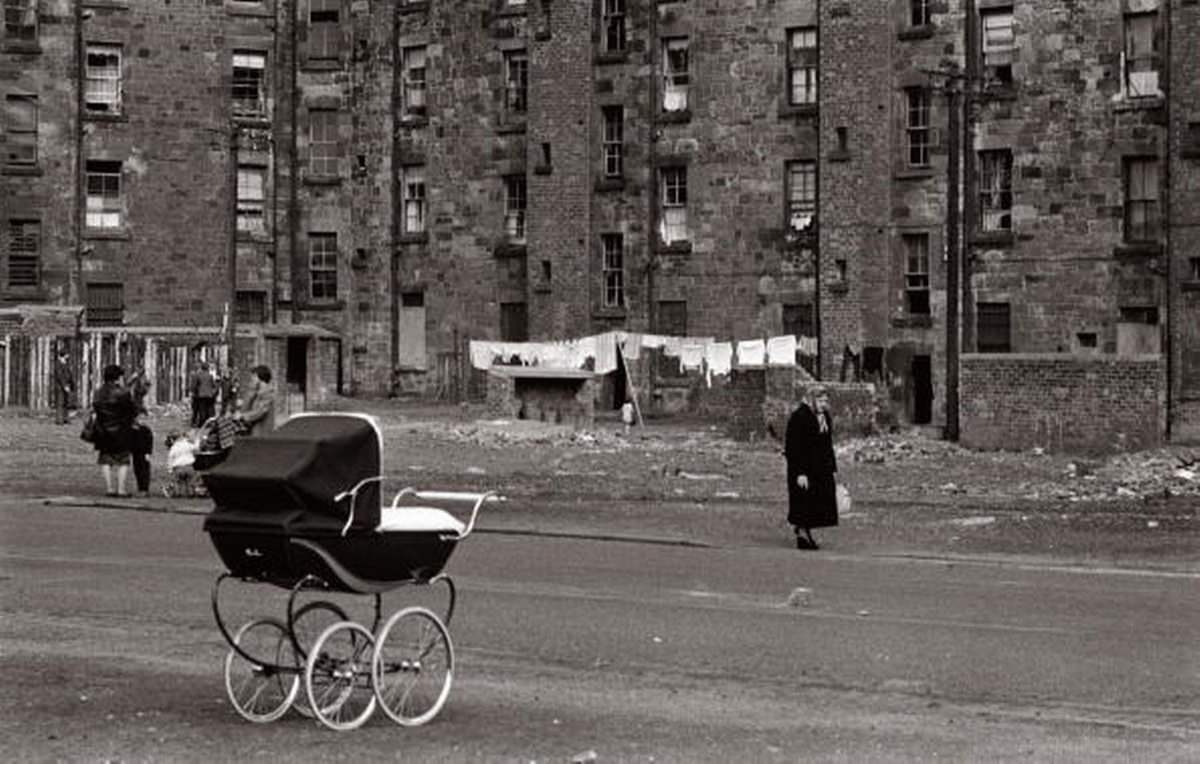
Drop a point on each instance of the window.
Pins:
(324, 144)
(24, 253)
(516, 81)
(801, 195)
(514, 322)
(800, 320)
(672, 321)
(613, 245)
(249, 83)
(614, 141)
(105, 208)
(105, 304)
(995, 190)
(21, 126)
(916, 273)
(802, 66)
(102, 79)
(1141, 55)
(414, 200)
(614, 26)
(514, 207)
(1141, 199)
(674, 224)
(1140, 314)
(250, 199)
(413, 80)
(324, 30)
(20, 20)
(675, 74)
(917, 133)
(993, 327)
(250, 306)
(998, 45)
(1194, 268)
(918, 13)
(323, 266)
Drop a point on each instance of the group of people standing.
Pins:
(122, 439)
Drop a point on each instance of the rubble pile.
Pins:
(878, 449)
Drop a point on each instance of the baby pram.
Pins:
(299, 508)
(216, 438)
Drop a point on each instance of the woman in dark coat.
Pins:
(115, 415)
(811, 467)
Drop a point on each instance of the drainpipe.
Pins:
(394, 244)
(231, 314)
(817, 367)
(1168, 345)
(75, 292)
(293, 160)
(652, 186)
(273, 312)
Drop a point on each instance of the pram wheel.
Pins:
(259, 689)
(308, 623)
(337, 676)
(413, 666)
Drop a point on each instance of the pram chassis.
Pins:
(347, 669)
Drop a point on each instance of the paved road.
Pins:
(634, 651)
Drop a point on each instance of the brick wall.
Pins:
(1062, 402)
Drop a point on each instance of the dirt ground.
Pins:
(680, 480)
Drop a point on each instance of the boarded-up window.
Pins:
(324, 30)
(998, 45)
(21, 129)
(993, 326)
(250, 306)
(514, 322)
(24, 253)
(105, 304)
(411, 330)
(1142, 221)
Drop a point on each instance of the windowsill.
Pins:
(251, 9)
(923, 32)
(508, 127)
(320, 65)
(1140, 103)
(419, 7)
(678, 117)
(107, 234)
(322, 180)
(100, 116)
(674, 248)
(913, 322)
(414, 237)
(611, 57)
(253, 237)
(21, 46)
(609, 312)
(27, 170)
(509, 249)
(252, 120)
(609, 184)
(798, 110)
(330, 305)
(1138, 249)
(914, 173)
(994, 238)
(1189, 286)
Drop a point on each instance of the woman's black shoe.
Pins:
(803, 543)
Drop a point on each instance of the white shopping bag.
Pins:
(843, 499)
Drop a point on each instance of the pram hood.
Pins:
(300, 467)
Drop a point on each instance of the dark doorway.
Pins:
(922, 377)
(297, 364)
(620, 383)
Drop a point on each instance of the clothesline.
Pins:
(694, 353)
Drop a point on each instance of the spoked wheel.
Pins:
(337, 676)
(413, 666)
(261, 690)
(308, 623)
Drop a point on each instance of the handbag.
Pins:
(843, 499)
(88, 434)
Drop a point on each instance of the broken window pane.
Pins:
(20, 122)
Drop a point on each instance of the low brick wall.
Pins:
(553, 399)
(754, 403)
(1100, 404)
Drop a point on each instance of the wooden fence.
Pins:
(166, 358)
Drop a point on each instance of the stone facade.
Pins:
(419, 174)
(1062, 403)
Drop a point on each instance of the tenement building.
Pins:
(917, 184)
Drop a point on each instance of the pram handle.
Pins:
(464, 496)
(353, 494)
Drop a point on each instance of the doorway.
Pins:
(296, 378)
(922, 377)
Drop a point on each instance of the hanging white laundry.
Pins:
(691, 355)
(781, 351)
(719, 357)
(807, 345)
(653, 340)
(606, 352)
(631, 345)
(751, 352)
